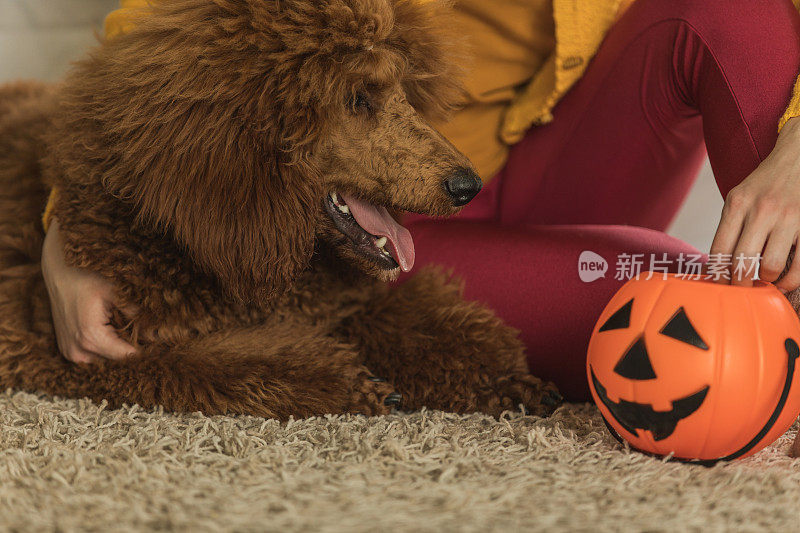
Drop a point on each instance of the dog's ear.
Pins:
(181, 124)
(241, 215)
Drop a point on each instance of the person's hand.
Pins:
(761, 217)
(80, 302)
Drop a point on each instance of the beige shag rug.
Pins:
(73, 465)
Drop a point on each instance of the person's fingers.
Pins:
(109, 345)
(78, 356)
(96, 336)
(72, 352)
(727, 235)
(776, 253)
(744, 263)
(791, 280)
(730, 224)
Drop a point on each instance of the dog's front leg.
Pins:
(444, 353)
(269, 372)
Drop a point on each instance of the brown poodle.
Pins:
(229, 166)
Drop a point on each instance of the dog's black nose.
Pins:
(463, 186)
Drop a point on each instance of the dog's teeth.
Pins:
(335, 198)
(344, 209)
(380, 243)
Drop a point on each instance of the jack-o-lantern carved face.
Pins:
(697, 369)
(636, 364)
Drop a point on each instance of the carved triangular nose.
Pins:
(635, 364)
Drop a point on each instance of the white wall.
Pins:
(697, 221)
(39, 38)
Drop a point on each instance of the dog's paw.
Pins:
(373, 396)
(537, 397)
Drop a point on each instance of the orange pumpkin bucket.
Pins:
(697, 369)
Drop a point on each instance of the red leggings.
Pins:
(610, 172)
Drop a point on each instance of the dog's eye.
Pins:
(361, 102)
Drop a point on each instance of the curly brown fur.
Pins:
(193, 158)
(454, 356)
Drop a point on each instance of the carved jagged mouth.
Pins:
(379, 249)
(636, 416)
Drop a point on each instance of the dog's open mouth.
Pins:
(373, 231)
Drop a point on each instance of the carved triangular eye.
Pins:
(680, 328)
(635, 364)
(619, 320)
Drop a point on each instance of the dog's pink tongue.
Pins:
(379, 222)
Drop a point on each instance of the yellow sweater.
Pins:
(527, 55)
